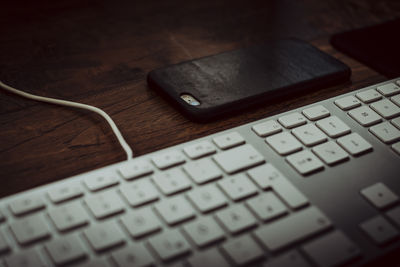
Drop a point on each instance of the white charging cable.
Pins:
(114, 127)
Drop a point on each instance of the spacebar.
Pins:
(291, 229)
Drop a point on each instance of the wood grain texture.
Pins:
(99, 52)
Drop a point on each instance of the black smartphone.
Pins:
(211, 87)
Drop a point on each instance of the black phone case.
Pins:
(235, 80)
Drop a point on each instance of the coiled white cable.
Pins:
(112, 124)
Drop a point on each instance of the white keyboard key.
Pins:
(141, 222)
(380, 195)
(296, 227)
(104, 236)
(175, 210)
(396, 122)
(267, 128)
(305, 162)
(354, 144)
(96, 182)
(386, 108)
(330, 153)
(203, 170)
(168, 159)
(69, 216)
(268, 177)
(243, 250)
(369, 96)
(316, 112)
(25, 258)
(172, 181)
(229, 140)
(388, 89)
(386, 132)
(3, 244)
(207, 198)
(236, 219)
(139, 192)
(347, 102)
(396, 147)
(134, 255)
(396, 99)
(334, 249)
(105, 204)
(211, 258)
(238, 186)
(27, 203)
(267, 206)
(333, 126)
(65, 249)
(291, 258)
(64, 192)
(199, 150)
(284, 143)
(133, 169)
(394, 215)
(238, 158)
(30, 229)
(365, 116)
(379, 230)
(292, 120)
(204, 231)
(309, 135)
(170, 244)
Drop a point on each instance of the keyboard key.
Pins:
(3, 244)
(396, 147)
(170, 244)
(30, 229)
(396, 122)
(199, 150)
(98, 182)
(236, 219)
(268, 177)
(134, 255)
(237, 187)
(141, 222)
(330, 153)
(267, 206)
(267, 128)
(380, 195)
(369, 96)
(229, 140)
(238, 158)
(334, 249)
(204, 231)
(386, 108)
(316, 112)
(203, 170)
(354, 144)
(379, 230)
(243, 250)
(284, 143)
(168, 159)
(394, 215)
(65, 249)
(104, 236)
(348, 102)
(26, 204)
(25, 258)
(309, 135)
(64, 192)
(296, 227)
(69, 216)
(305, 162)
(105, 204)
(386, 132)
(207, 198)
(365, 116)
(291, 258)
(396, 99)
(175, 210)
(211, 258)
(333, 126)
(292, 120)
(93, 262)
(172, 181)
(139, 192)
(133, 169)
(388, 89)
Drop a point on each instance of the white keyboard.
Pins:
(316, 186)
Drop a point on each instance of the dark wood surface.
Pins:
(100, 52)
